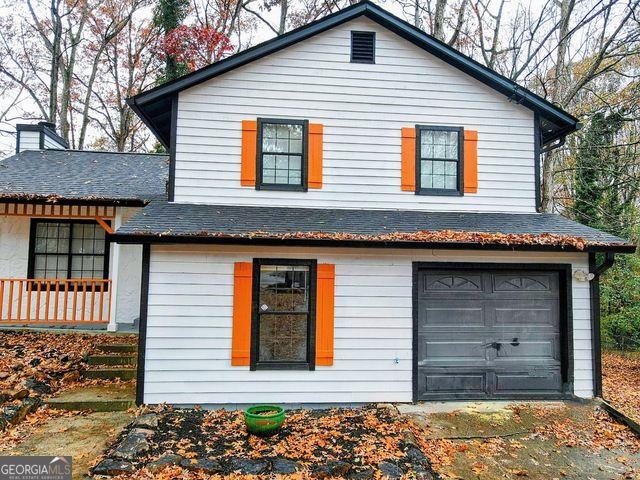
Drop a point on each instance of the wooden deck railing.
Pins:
(48, 301)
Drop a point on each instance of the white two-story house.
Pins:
(352, 216)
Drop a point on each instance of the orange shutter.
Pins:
(324, 314)
(470, 161)
(315, 155)
(241, 334)
(408, 167)
(248, 160)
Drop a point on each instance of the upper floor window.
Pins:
(67, 249)
(282, 154)
(439, 160)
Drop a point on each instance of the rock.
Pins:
(365, 474)
(35, 362)
(409, 439)
(284, 466)
(247, 466)
(37, 386)
(110, 466)
(420, 473)
(14, 414)
(132, 446)
(143, 431)
(390, 408)
(389, 470)
(31, 404)
(149, 420)
(20, 394)
(333, 468)
(164, 461)
(5, 396)
(202, 464)
(415, 456)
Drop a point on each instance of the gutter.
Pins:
(594, 294)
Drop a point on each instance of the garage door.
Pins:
(488, 333)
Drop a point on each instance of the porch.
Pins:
(59, 269)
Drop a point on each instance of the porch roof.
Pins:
(192, 223)
(68, 176)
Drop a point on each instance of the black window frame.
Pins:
(32, 248)
(255, 363)
(304, 167)
(459, 191)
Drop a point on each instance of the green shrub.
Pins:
(621, 331)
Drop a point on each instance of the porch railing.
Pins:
(50, 301)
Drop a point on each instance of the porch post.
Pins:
(114, 273)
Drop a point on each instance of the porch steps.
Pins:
(118, 348)
(100, 398)
(113, 373)
(127, 360)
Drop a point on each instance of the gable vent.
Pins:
(363, 47)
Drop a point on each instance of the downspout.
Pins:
(594, 290)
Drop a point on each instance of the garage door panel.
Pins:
(452, 281)
(488, 333)
(447, 313)
(524, 282)
(519, 382)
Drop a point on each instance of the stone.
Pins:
(14, 414)
(364, 474)
(110, 466)
(333, 468)
(164, 461)
(247, 466)
(389, 470)
(284, 466)
(5, 396)
(37, 386)
(143, 431)
(35, 362)
(132, 446)
(20, 394)
(409, 439)
(149, 420)
(390, 408)
(420, 473)
(202, 464)
(415, 456)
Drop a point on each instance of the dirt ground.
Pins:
(84, 436)
(621, 381)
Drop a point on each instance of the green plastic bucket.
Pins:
(264, 419)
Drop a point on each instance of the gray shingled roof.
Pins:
(83, 175)
(229, 224)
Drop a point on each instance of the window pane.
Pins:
(283, 338)
(283, 288)
(441, 144)
(283, 139)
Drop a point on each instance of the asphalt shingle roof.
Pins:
(83, 175)
(181, 221)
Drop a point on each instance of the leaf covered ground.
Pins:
(56, 359)
(621, 381)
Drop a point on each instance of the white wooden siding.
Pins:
(29, 140)
(52, 143)
(190, 314)
(362, 107)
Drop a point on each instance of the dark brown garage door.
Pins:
(488, 333)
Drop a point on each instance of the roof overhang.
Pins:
(154, 106)
(54, 200)
(306, 242)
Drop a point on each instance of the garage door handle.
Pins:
(495, 345)
(515, 342)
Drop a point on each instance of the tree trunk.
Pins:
(284, 10)
(54, 72)
(438, 20)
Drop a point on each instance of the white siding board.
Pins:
(189, 333)
(363, 108)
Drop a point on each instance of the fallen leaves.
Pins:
(620, 380)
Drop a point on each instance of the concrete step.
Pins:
(111, 373)
(117, 348)
(129, 360)
(102, 398)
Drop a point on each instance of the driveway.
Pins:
(551, 440)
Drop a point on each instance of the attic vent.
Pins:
(363, 47)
